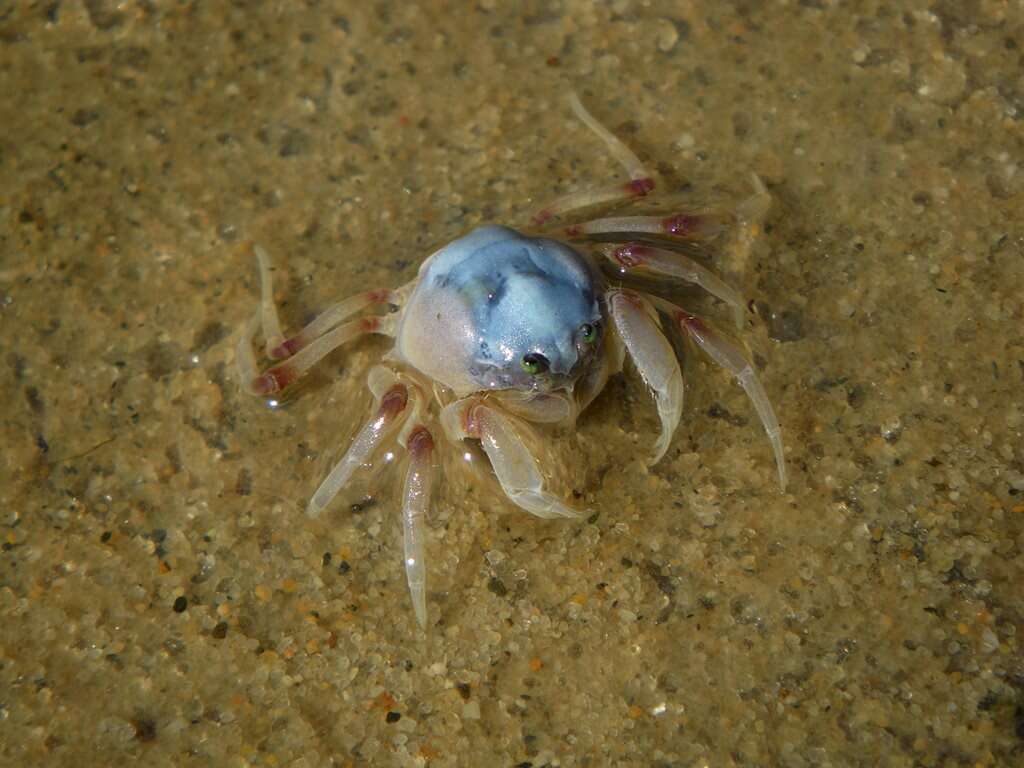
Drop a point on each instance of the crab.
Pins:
(502, 331)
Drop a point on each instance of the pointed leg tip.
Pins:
(783, 480)
(563, 511)
(419, 604)
(553, 507)
(660, 449)
(313, 509)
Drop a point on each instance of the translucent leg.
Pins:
(265, 319)
(392, 398)
(329, 318)
(654, 358)
(728, 355)
(268, 310)
(245, 360)
(415, 500)
(641, 256)
(754, 208)
(640, 182)
(619, 150)
(281, 375)
(514, 465)
(312, 343)
(586, 198)
(697, 225)
(749, 215)
(691, 226)
(553, 408)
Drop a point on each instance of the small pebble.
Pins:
(667, 37)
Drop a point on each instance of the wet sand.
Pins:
(164, 599)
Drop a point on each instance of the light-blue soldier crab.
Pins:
(501, 329)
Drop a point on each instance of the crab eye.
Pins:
(534, 363)
(588, 332)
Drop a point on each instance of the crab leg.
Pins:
(265, 318)
(245, 360)
(639, 185)
(315, 340)
(752, 211)
(749, 216)
(391, 404)
(619, 150)
(544, 409)
(654, 358)
(330, 318)
(692, 227)
(728, 355)
(635, 255)
(268, 310)
(587, 198)
(415, 500)
(695, 225)
(283, 374)
(514, 465)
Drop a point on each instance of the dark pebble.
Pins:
(209, 335)
(664, 582)
(294, 142)
(161, 359)
(145, 729)
(855, 396)
(787, 325)
(393, 717)
(243, 483)
(220, 631)
(82, 117)
(362, 506)
(180, 604)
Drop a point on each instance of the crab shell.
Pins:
(488, 300)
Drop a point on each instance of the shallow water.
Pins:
(162, 596)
